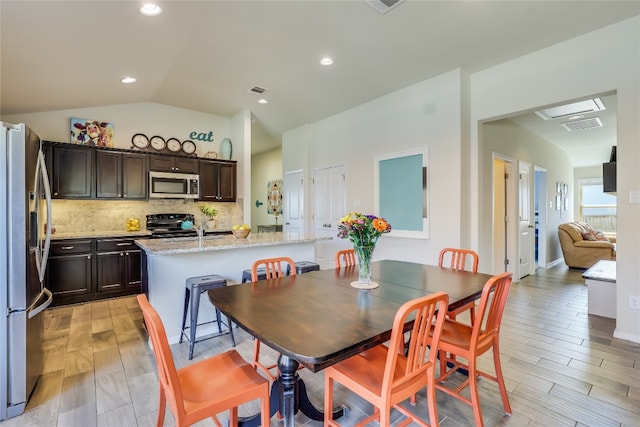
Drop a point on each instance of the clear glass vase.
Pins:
(364, 253)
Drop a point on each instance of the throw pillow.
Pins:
(589, 235)
(599, 235)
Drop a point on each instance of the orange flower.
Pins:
(379, 224)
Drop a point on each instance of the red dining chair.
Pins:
(456, 260)
(274, 267)
(470, 342)
(386, 376)
(206, 388)
(346, 257)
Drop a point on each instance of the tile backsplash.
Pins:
(72, 216)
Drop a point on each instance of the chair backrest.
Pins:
(425, 334)
(274, 267)
(458, 258)
(167, 374)
(346, 257)
(486, 325)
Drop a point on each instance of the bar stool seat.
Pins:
(195, 286)
(246, 274)
(304, 267)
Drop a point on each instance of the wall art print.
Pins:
(91, 132)
(274, 197)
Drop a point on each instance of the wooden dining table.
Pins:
(317, 319)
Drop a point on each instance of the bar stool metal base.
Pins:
(195, 286)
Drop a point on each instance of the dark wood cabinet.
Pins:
(117, 267)
(217, 181)
(121, 175)
(82, 270)
(70, 271)
(72, 172)
(177, 164)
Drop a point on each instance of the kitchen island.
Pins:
(167, 263)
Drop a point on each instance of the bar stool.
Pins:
(246, 274)
(304, 267)
(195, 286)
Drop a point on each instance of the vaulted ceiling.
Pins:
(206, 55)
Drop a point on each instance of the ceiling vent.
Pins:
(257, 90)
(577, 108)
(384, 6)
(591, 123)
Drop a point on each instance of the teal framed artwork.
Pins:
(402, 192)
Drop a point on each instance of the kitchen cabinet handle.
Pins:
(66, 248)
(123, 244)
(121, 253)
(88, 256)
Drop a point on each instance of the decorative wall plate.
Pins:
(188, 146)
(140, 140)
(174, 145)
(158, 143)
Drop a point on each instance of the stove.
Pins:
(169, 225)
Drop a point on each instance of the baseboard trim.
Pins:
(555, 262)
(625, 336)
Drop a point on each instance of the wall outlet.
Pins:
(634, 302)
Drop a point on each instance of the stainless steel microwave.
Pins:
(169, 185)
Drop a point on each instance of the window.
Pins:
(596, 207)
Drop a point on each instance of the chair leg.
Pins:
(230, 325)
(219, 321)
(195, 307)
(256, 352)
(473, 392)
(328, 399)
(500, 378)
(162, 407)
(184, 312)
(431, 401)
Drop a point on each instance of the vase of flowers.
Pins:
(364, 232)
(210, 212)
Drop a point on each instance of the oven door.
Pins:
(166, 185)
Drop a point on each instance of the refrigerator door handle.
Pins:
(34, 310)
(42, 253)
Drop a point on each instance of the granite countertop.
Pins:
(603, 270)
(182, 245)
(100, 234)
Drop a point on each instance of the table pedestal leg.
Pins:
(288, 395)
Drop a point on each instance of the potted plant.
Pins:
(210, 212)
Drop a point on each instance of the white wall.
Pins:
(426, 114)
(568, 71)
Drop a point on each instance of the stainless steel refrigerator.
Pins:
(25, 235)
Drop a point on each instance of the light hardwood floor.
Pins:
(562, 367)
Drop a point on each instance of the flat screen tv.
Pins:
(609, 177)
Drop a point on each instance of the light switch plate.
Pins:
(634, 196)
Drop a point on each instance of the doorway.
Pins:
(504, 229)
(540, 217)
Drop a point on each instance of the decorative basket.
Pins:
(241, 234)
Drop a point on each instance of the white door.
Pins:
(526, 226)
(293, 187)
(329, 205)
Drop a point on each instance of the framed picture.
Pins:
(91, 132)
(565, 189)
(558, 202)
(274, 197)
(566, 203)
(558, 187)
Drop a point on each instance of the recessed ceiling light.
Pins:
(326, 61)
(128, 80)
(150, 9)
(262, 101)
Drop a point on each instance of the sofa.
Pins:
(582, 246)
